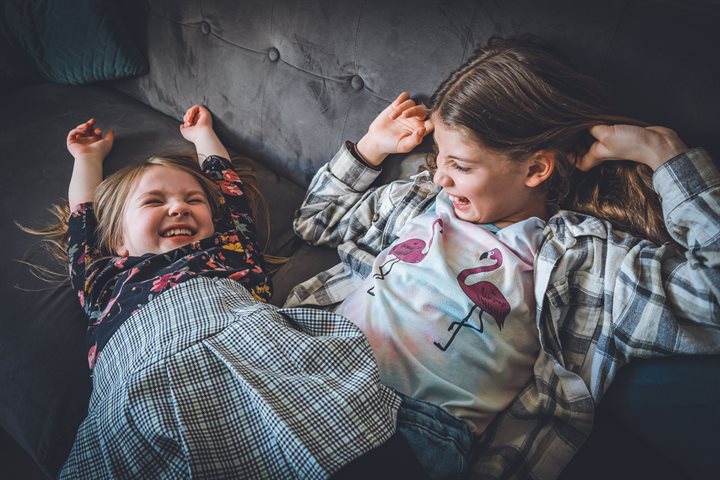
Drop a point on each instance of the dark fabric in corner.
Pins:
(66, 41)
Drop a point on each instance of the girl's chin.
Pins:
(172, 243)
(466, 214)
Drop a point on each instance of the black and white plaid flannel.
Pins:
(603, 297)
(206, 382)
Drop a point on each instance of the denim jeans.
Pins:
(441, 442)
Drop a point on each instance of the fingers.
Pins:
(419, 111)
(85, 133)
(400, 99)
(191, 115)
(405, 106)
(592, 158)
(83, 128)
(429, 126)
(408, 143)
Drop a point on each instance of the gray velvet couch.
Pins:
(287, 82)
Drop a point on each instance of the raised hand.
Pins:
(398, 129)
(89, 148)
(86, 140)
(197, 127)
(651, 146)
(196, 121)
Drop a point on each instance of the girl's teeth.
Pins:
(172, 233)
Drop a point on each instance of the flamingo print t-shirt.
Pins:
(449, 311)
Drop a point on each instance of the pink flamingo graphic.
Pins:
(413, 250)
(485, 296)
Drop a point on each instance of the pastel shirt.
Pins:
(449, 311)
(110, 289)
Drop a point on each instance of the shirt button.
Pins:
(375, 217)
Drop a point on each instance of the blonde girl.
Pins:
(194, 375)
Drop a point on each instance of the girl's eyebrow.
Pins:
(459, 159)
(160, 193)
(151, 193)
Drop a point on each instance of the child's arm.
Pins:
(340, 205)
(666, 300)
(197, 127)
(89, 148)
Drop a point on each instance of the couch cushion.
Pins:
(65, 41)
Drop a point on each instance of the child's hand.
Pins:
(87, 141)
(197, 121)
(197, 128)
(651, 146)
(398, 129)
(89, 148)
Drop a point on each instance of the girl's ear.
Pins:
(120, 249)
(541, 166)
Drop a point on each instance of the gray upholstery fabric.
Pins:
(287, 82)
(341, 61)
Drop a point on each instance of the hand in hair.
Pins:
(651, 146)
(197, 127)
(398, 129)
(89, 148)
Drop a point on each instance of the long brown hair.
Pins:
(109, 208)
(517, 96)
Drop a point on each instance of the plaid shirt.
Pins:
(603, 297)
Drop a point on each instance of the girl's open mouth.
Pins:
(459, 202)
(177, 232)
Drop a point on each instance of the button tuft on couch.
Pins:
(273, 54)
(357, 83)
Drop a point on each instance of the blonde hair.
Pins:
(109, 207)
(517, 97)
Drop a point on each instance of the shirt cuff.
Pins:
(684, 177)
(215, 160)
(351, 171)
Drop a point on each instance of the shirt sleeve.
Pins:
(82, 250)
(667, 300)
(342, 206)
(236, 212)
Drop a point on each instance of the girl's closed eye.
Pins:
(151, 201)
(452, 163)
(197, 200)
(459, 168)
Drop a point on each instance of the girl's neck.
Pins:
(538, 210)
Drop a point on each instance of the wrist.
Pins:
(669, 148)
(89, 158)
(369, 151)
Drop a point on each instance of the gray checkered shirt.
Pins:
(206, 382)
(603, 297)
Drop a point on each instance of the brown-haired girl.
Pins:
(194, 375)
(502, 290)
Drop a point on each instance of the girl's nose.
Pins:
(441, 179)
(178, 209)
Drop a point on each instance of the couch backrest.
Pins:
(288, 81)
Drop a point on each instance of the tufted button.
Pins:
(375, 217)
(357, 83)
(205, 27)
(274, 54)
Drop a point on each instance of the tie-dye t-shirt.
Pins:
(449, 311)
